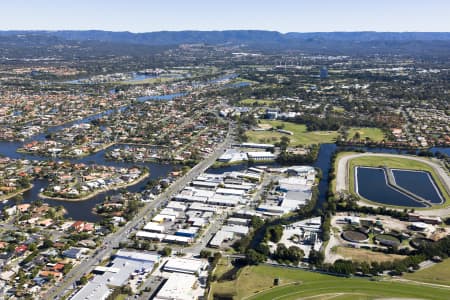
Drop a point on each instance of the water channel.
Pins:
(83, 209)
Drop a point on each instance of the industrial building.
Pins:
(185, 265)
(116, 274)
(178, 287)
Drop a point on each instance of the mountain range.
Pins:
(231, 36)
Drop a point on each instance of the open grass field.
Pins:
(222, 267)
(260, 102)
(338, 109)
(366, 255)
(438, 274)
(375, 134)
(396, 163)
(300, 137)
(256, 282)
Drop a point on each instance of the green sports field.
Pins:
(257, 283)
(300, 135)
(259, 102)
(374, 134)
(438, 274)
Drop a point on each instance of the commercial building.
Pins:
(185, 265)
(154, 227)
(178, 287)
(177, 206)
(176, 239)
(116, 275)
(220, 237)
(233, 155)
(236, 229)
(324, 72)
(256, 146)
(261, 155)
(238, 221)
(153, 236)
(188, 232)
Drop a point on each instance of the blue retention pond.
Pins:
(420, 183)
(371, 183)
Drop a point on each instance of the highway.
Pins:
(112, 241)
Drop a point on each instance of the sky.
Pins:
(278, 15)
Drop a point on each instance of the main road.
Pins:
(112, 241)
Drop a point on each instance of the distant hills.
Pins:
(68, 44)
(232, 36)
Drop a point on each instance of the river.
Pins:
(323, 162)
(83, 209)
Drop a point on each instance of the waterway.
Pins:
(323, 162)
(83, 210)
(134, 77)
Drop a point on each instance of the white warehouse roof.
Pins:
(185, 265)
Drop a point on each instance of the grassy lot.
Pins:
(338, 109)
(301, 135)
(257, 283)
(366, 255)
(222, 267)
(395, 162)
(439, 274)
(260, 102)
(121, 297)
(375, 134)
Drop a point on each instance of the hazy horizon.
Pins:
(139, 16)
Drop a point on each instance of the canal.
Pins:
(83, 209)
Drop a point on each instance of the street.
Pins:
(112, 241)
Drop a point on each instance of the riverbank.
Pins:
(95, 193)
(12, 195)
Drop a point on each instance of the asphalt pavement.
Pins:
(112, 241)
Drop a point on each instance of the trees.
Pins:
(24, 182)
(292, 254)
(316, 257)
(256, 222)
(253, 257)
(275, 233)
(205, 253)
(284, 142)
(83, 280)
(166, 251)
